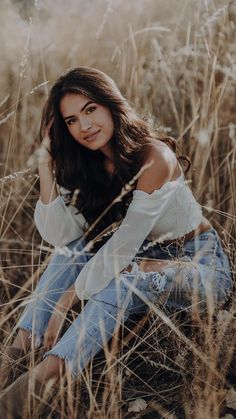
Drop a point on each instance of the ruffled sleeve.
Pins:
(117, 253)
(57, 223)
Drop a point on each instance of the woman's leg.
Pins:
(174, 287)
(107, 311)
(201, 276)
(95, 325)
(196, 273)
(59, 275)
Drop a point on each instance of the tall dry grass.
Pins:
(175, 61)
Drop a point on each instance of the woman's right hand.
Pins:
(55, 325)
(44, 152)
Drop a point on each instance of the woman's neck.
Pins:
(109, 166)
(106, 150)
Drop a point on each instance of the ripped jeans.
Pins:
(208, 278)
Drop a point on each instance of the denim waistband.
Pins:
(204, 235)
(154, 249)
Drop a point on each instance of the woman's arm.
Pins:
(48, 188)
(57, 319)
(67, 300)
(57, 223)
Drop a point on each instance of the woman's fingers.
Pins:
(52, 333)
(49, 342)
(46, 343)
(50, 339)
(48, 127)
(46, 143)
(44, 151)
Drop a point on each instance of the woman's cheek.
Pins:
(71, 131)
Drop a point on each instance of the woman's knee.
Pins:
(117, 294)
(69, 259)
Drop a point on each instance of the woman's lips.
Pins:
(93, 137)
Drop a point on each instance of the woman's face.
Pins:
(88, 122)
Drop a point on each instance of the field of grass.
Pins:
(176, 62)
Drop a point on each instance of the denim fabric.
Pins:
(210, 276)
(207, 278)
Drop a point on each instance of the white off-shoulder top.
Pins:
(167, 213)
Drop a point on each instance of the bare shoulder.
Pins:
(159, 165)
(161, 152)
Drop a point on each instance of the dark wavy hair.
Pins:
(81, 170)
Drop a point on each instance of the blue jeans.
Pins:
(208, 278)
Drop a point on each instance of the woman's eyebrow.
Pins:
(86, 104)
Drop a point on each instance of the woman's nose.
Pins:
(85, 124)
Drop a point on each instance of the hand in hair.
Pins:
(44, 155)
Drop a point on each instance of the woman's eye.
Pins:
(91, 109)
(70, 122)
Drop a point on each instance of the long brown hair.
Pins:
(80, 169)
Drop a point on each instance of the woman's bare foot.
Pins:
(12, 364)
(13, 358)
(51, 367)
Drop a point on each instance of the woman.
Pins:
(132, 228)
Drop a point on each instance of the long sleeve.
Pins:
(57, 223)
(117, 253)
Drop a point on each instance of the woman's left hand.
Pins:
(54, 328)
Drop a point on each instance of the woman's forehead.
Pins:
(73, 101)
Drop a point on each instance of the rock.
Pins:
(137, 405)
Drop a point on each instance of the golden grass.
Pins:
(175, 61)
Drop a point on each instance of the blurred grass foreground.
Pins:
(176, 62)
